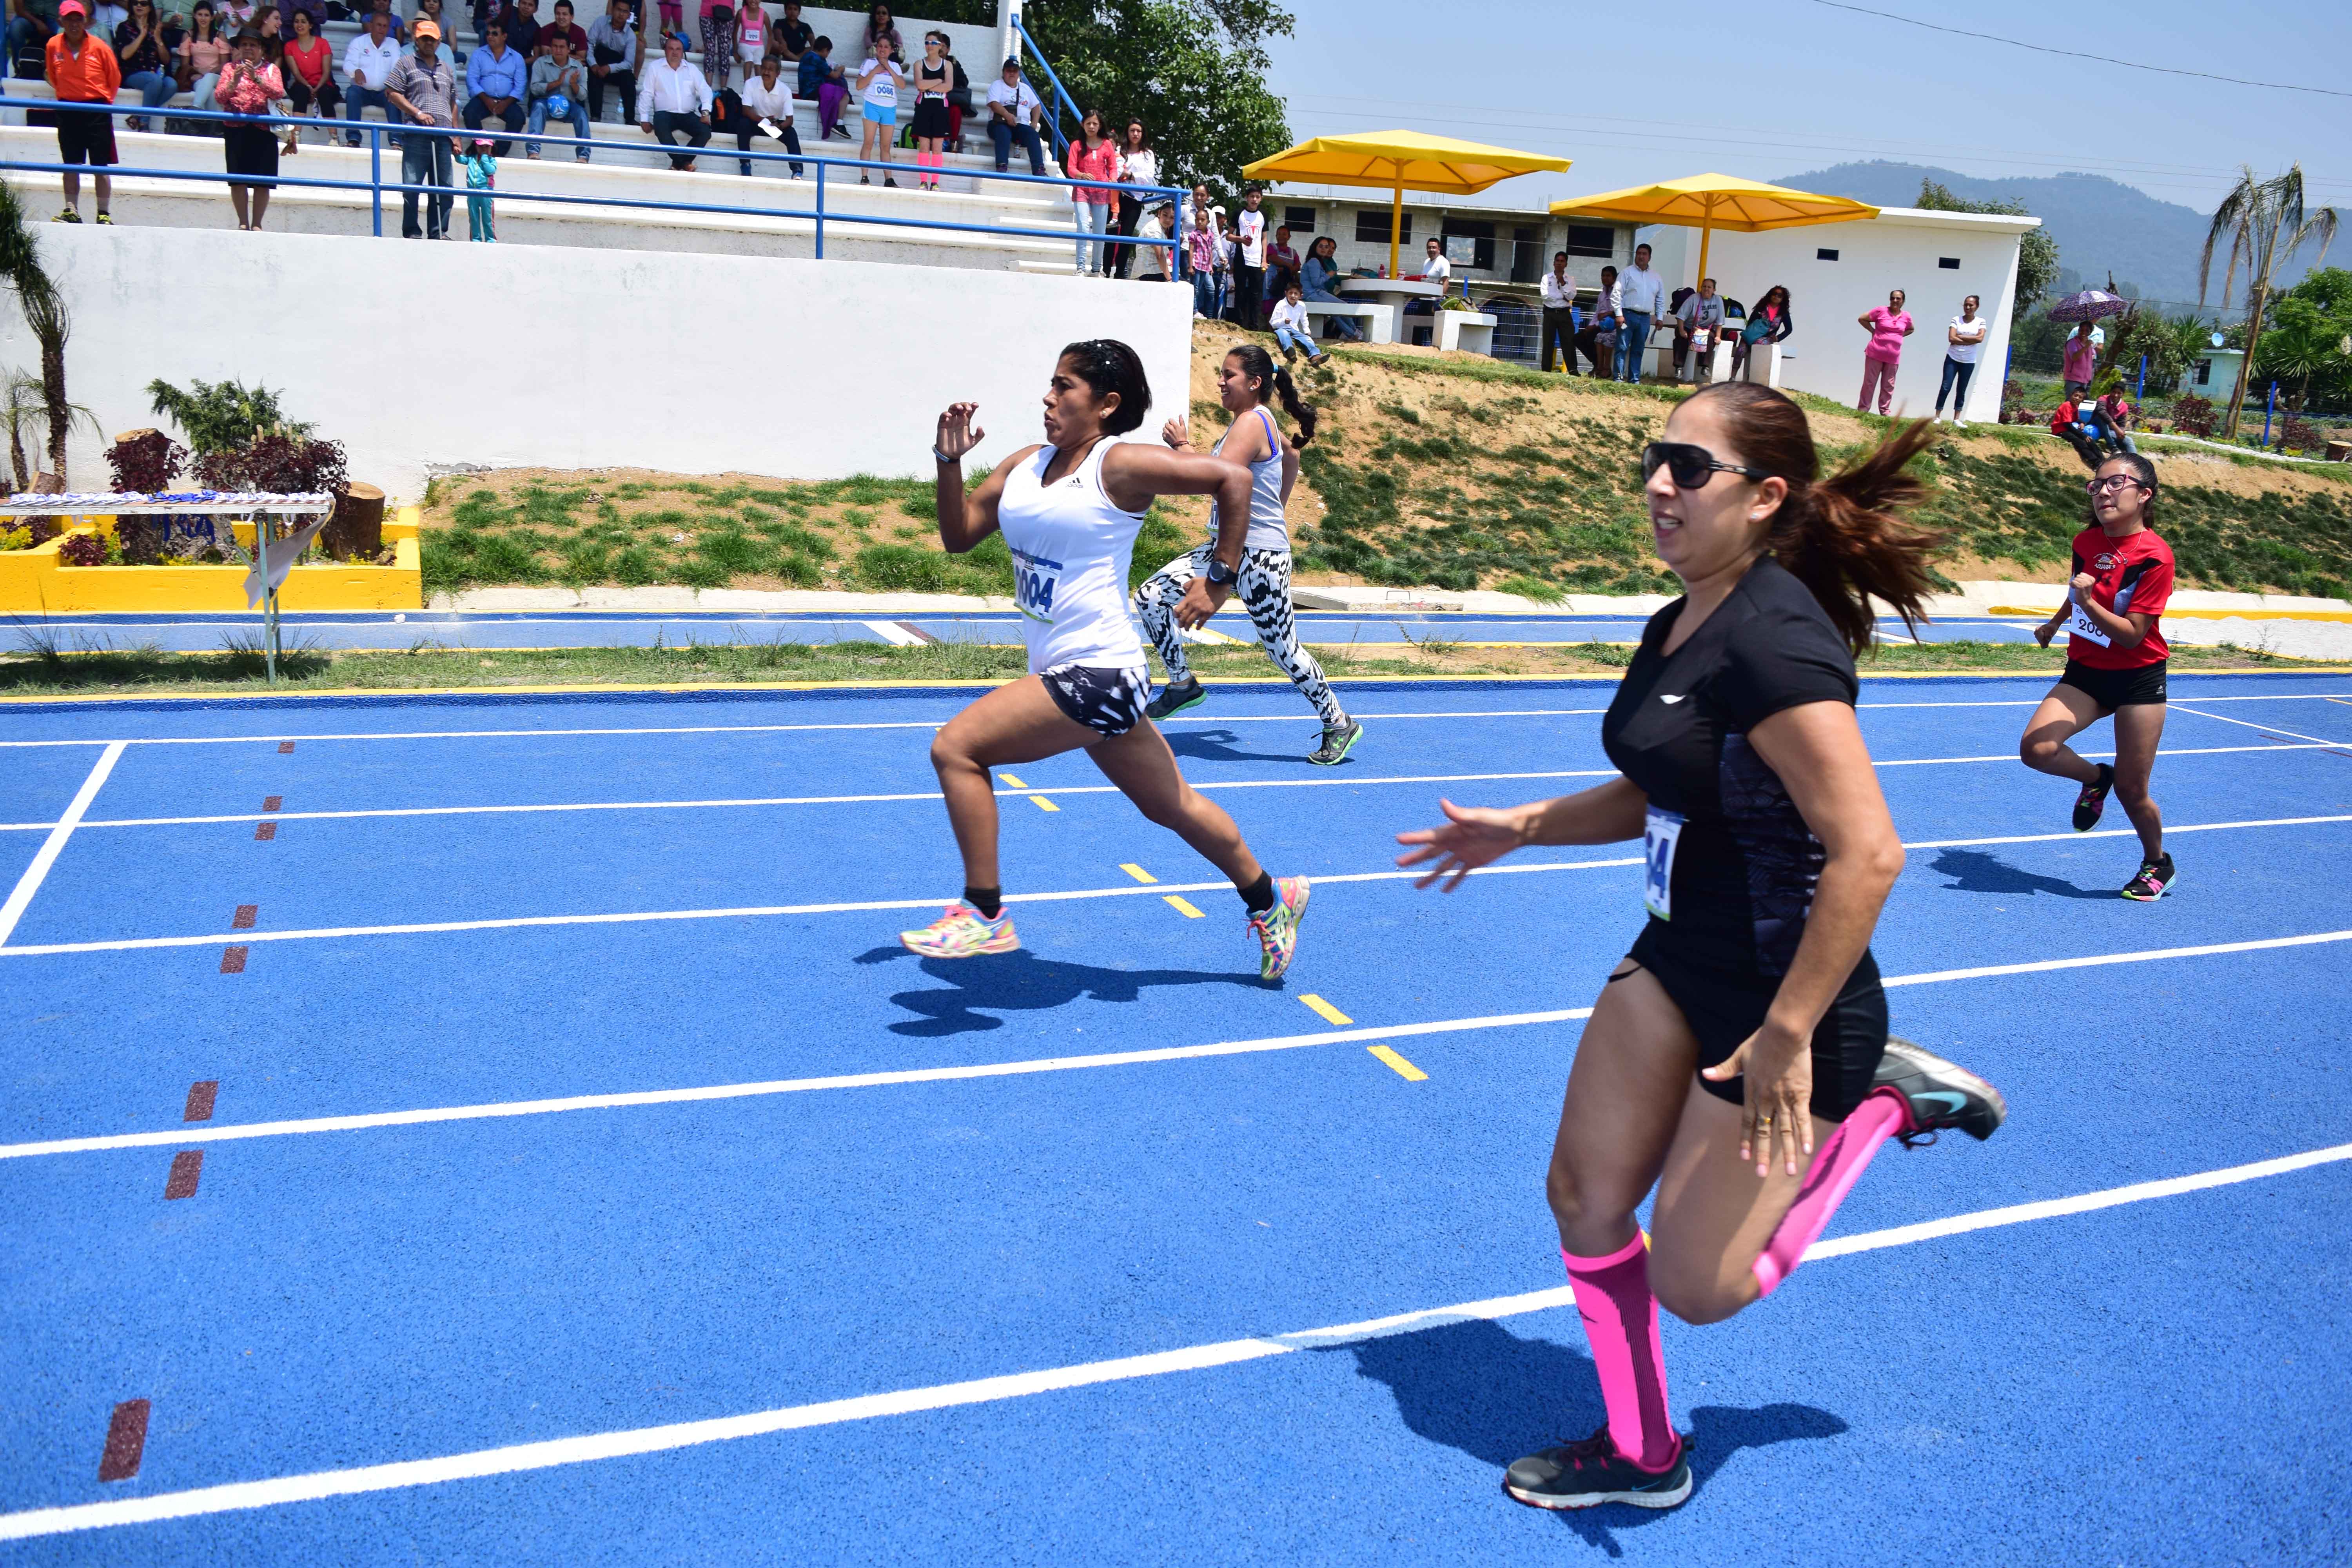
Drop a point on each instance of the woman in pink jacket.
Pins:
(1093, 155)
(1889, 324)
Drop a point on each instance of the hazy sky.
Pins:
(1778, 86)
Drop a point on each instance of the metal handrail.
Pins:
(377, 187)
(1062, 101)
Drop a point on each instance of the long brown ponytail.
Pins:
(1257, 365)
(1845, 537)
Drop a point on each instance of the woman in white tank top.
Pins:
(1069, 510)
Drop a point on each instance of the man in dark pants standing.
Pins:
(1559, 322)
(1249, 263)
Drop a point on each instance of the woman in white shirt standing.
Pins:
(1137, 165)
(1069, 510)
(1964, 346)
(878, 82)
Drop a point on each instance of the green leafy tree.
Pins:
(2037, 253)
(2309, 343)
(46, 317)
(221, 416)
(1193, 72)
(2264, 223)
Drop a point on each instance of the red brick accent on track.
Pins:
(273, 802)
(285, 745)
(200, 1101)
(126, 1441)
(266, 832)
(232, 960)
(187, 1168)
(245, 917)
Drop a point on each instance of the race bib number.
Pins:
(1661, 831)
(1034, 578)
(2080, 624)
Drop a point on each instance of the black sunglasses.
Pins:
(1689, 465)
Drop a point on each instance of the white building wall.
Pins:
(1901, 249)
(421, 357)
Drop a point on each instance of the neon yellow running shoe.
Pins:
(962, 933)
(1277, 929)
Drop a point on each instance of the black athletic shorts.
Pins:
(85, 138)
(2114, 689)
(1105, 700)
(1724, 1009)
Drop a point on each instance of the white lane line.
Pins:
(1342, 781)
(214, 1133)
(59, 831)
(891, 632)
(2265, 729)
(2121, 832)
(554, 1453)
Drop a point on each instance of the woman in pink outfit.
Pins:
(1889, 324)
(1093, 155)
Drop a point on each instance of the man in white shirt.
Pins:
(1014, 115)
(1640, 292)
(1151, 264)
(1249, 261)
(1699, 326)
(1435, 267)
(368, 61)
(768, 108)
(1560, 312)
(674, 99)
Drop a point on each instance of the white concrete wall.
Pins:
(421, 357)
(1898, 250)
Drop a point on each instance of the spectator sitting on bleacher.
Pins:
(880, 25)
(394, 26)
(316, 10)
(144, 48)
(767, 100)
(1014, 112)
(616, 51)
(424, 88)
(564, 26)
(523, 31)
(497, 79)
(202, 53)
(105, 17)
(430, 11)
(368, 62)
(308, 69)
(28, 36)
(270, 25)
(558, 90)
(82, 68)
(674, 99)
(789, 37)
(237, 16)
(828, 84)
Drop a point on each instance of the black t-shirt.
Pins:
(1731, 864)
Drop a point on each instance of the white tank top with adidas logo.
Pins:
(1070, 549)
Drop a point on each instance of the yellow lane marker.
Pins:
(1411, 1073)
(1329, 1014)
(1013, 782)
(1137, 872)
(1183, 906)
(1043, 803)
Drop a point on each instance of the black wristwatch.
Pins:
(1220, 575)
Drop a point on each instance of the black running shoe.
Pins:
(1941, 1093)
(2093, 801)
(1174, 697)
(1337, 744)
(1588, 1474)
(2155, 879)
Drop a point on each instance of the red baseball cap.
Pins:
(72, 8)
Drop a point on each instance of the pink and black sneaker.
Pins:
(2155, 879)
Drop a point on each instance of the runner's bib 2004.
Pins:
(1662, 830)
(1034, 578)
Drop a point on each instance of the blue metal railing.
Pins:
(1062, 101)
(377, 188)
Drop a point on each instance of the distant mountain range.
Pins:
(2100, 225)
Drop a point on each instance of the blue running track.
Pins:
(589, 1176)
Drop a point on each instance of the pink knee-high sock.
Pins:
(1837, 1165)
(1621, 1319)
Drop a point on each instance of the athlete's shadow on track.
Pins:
(1224, 746)
(1480, 1388)
(1023, 982)
(1974, 871)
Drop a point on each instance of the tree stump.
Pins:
(357, 527)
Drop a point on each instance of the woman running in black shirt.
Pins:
(1737, 1059)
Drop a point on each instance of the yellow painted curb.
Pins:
(35, 583)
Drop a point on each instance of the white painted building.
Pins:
(2215, 376)
(1834, 272)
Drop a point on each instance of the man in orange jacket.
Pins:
(82, 69)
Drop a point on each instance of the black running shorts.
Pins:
(85, 138)
(1724, 1009)
(1107, 701)
(2114, 689)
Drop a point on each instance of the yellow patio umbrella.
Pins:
(1709, 202)
(1396, 159)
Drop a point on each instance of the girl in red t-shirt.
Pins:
(2115, 660)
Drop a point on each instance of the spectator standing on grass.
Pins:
(480, 163)
(1092, 155)
(558, 90)
(1292, 331)
(1137, 165)
(249, 84)
(1640, 292)
(80, 68)
(424, 89)
(1249, 261)
(1559, 315)
(498, 82)
(2080, 353)
(144, 48)
(1598, 338)
(827, 84)
(1319, 280)
(1201, 264)
(1699, 326)
(1889, 324)
(676, 101)
(879, 79)
(934, 79)
(1768, 323)
(767, 102)
(1014, 112)
(368, 62)
(616, 51)
(202, 53)
(1964, 342)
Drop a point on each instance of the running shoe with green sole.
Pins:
(2155, 879)
(1277, 929)
(962, 933)
(2091, 802)
(1174, 697)
(1337, 744)
(1588, 1474)
(1941, 1094)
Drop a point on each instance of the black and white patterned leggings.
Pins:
(1265, 588)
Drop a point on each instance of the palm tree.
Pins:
(45, 314)
(2265, 223)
